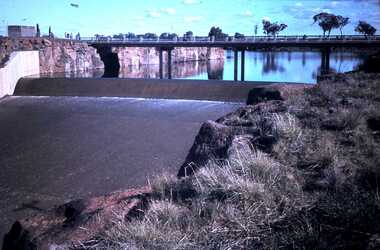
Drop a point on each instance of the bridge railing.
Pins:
(292, 38)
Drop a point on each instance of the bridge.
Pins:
(324, 44)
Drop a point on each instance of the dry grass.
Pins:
(314, 186)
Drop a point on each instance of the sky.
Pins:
(178, 16)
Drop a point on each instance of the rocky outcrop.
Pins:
(135, 56)
(215, 139)
(55, 55)
(76, 223)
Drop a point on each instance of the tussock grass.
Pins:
(164, 226)
(235, 204)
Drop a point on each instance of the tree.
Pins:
(38, 32)
(256, 28)
(217, 33)
(188, 36)
(168, 36)
(342, 21)
(118, 36)
(239, 36)
(273, 28)
(365, 28)
(327, 22)
(51, 33)
(150, 36)
(130, 35)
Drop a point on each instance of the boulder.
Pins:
(258, 95)
(75, 223)
(212, 141)
(373, 123)
(215, 139)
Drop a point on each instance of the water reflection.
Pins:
(212, 69)
(303, 67)
(271, 63)
(296, 66)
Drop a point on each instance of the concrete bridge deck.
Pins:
(240, 43)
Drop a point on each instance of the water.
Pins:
(292, 67)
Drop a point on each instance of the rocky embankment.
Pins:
(55, 55)
(295, 169)
(135, 56)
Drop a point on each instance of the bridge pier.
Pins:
(161, 64)
(325, 61)
(170, 63)
(235, 65)
(242, 65)
(161, 61)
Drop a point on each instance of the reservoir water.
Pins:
(293, 67)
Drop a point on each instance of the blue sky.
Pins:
(141, 16)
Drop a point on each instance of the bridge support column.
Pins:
(170, 63)
(161, 64)
(235, 65)
(242, 65)
(325, 61)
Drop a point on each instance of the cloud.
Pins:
(192, 19)
(299, 4)
(191, 2)
(266, 18)
(169, 11)
(247, 13)
(154, 14)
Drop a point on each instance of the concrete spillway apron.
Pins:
(225, 91)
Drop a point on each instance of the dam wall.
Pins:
(209, 90)
(19, 64)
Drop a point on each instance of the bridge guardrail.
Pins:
(301, 38)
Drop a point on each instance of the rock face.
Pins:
(75, 223)
(55, 55)
(149, 56)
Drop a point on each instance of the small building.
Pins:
(21, 31)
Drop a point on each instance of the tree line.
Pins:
(326, 21)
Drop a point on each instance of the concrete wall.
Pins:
(226, 91)
(20, 64)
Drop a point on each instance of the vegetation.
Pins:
(328, 22)
(38, 32)
(315, 187)
(239, 36)
(273, 28)
(168, 36)
(365, 28)
(217, 33)
(188, 36)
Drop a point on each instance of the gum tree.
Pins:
(273, 28)
(365, 28)
(327, 22)
(342, 22)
